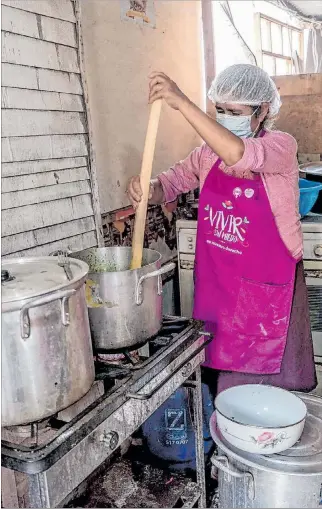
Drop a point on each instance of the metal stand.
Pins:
(194, 493)
(195, 386)
(200, 453)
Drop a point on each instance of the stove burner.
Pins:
(30, 435)
(28, 430)
(110, 371)
(131, 359)
(126, 357)
(161, 341)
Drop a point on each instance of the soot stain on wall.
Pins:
(160, 224)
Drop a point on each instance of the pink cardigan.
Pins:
(273, 156)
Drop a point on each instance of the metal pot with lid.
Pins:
(289, 479)
(47, 358)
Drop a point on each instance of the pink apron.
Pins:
(244, 276)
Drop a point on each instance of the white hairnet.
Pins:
(245, 84)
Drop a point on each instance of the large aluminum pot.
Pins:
(47, 358)
(290, 479)
(125, 306)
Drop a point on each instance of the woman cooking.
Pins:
(249, 277)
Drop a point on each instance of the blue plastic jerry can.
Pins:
(169, 432)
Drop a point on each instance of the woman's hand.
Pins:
(134, 192)
(225, 144)
(162, 87)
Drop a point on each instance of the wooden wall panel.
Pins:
(32, 217)
(57, 9)
(19, 98)
(29, 167)
(47, 200)
(19, 22)
(301, 111)
(31, 123)
(39, 237)
(302, 84)
(301, 116)
(32, 148)
(49, 178)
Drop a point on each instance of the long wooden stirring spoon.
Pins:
(145, 178)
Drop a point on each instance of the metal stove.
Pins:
(312, 233)
(312, 223)
(45, 462)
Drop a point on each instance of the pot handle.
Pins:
(63, 295)
(66, 252)
(156, 273)
(221, 462)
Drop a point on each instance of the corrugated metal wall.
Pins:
(47, 200)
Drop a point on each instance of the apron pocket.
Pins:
(262, 309)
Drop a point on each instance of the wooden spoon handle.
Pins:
(145, 178)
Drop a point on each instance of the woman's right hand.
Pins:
(134, 191)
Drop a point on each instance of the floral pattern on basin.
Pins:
(269, 439)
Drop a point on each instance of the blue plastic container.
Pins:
(309, 192)
(169, 431)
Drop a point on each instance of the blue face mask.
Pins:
(240, 125)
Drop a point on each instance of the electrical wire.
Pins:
(226, 8)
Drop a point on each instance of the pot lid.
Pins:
(312, 168)
(24, 278)
(304, 458)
